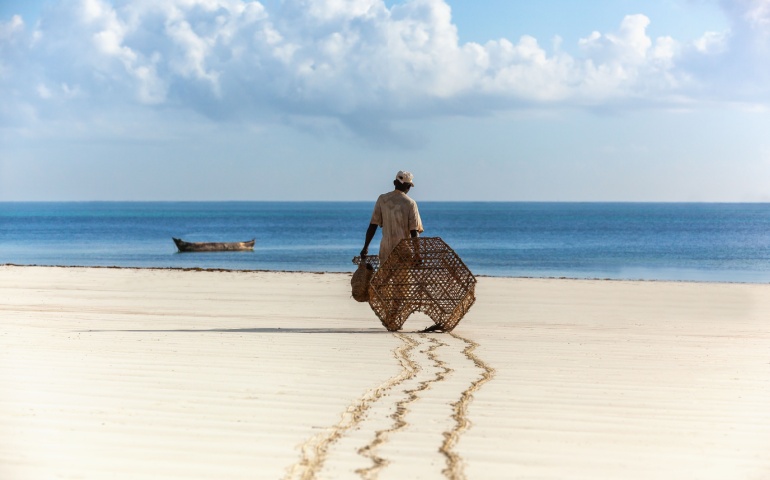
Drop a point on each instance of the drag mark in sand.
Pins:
(399, 416)
(314, 451)
(454, 468)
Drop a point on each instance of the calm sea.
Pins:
(652, 241)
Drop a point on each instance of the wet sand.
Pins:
(146, 374)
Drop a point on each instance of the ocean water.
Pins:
(649, 241)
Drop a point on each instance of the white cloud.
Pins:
(629, 45)
(733, 67)
(751, 18)
(11, 33)
(756, 13)
(43, 91)
(342, 60)
(712, 43)
(329, 11)
(11, 28)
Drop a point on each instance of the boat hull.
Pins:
(213, 246)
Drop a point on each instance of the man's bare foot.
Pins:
(433, 328)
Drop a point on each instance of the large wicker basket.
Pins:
(422, 275)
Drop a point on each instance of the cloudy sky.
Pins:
(555, 100)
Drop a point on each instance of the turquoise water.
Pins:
(652, 241)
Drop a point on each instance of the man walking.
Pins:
(398, 216)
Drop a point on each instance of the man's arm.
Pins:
(369, 236)
(417, 258)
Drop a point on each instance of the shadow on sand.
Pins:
(378, 331)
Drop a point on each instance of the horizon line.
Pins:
(420, 201)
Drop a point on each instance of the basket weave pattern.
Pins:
(361, 280)
(422, 275)
(373, 260)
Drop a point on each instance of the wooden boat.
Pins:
(213, 246)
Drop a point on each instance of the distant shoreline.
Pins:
(235, 270)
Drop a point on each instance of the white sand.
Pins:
(158, 374)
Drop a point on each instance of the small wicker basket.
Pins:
(362, 277)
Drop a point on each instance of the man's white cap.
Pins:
(405, 177)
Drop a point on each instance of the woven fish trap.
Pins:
(425, 275)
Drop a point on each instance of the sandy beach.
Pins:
(171, 374)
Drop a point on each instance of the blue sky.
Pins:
(658, 100)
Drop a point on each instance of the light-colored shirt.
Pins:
(397, 214)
